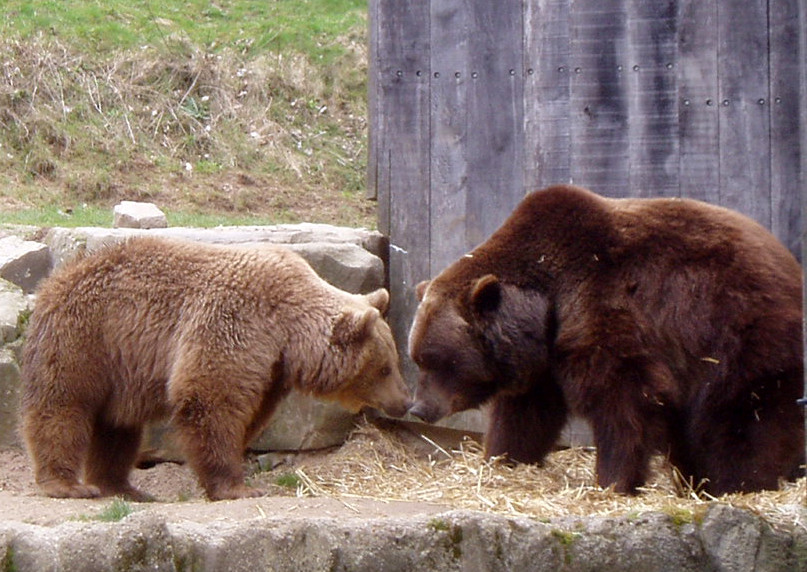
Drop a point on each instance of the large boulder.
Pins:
(65, 243)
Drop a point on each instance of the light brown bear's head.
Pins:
(370, 374)
(475, 340)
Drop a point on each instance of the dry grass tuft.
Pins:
(188, 128)
(388, 462)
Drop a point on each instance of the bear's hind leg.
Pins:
(213, 438)
(624, 445)
(113, 452)
(217, 458)
(749, 450)
(57, 442)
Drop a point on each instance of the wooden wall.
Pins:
(475, 102)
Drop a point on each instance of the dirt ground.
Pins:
(180, 497)
(392, 469)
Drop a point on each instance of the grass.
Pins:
(218, 112)
(288, 480)
(117, 510)
(249, 26)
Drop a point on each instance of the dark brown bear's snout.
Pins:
(426, 412)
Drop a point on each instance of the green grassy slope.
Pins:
(229, 111)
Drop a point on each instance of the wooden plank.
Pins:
(744, 123)
(374, 128)
(653, 98)
(450, 32)
(599, 109)
(402, 119)
(547, 131)
(802, 183)
(699, 164)
(783, 105)
(494, 114)
(472, 140)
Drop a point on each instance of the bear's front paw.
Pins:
(127, 492)
(62, 490)
(237, 492)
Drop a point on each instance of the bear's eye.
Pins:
(386, 371)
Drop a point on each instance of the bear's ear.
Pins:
(352, 327)
(486, 294)
(420, 289)
(379, 300)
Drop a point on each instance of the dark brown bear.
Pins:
(211, 336)
(670, 325)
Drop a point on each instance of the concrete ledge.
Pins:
(371, 537)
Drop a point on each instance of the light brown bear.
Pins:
(211, 336)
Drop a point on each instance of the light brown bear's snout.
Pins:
(398, 409)
(399, 399)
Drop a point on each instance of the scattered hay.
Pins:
(388, 462)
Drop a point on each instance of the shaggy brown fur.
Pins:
(670, 325)
(211, 336)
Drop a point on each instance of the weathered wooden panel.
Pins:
(547, 125)
(495, 117)
(401, 139)
(599, 107)
(450, 36)
(698, 127)
(652, 98)
(802, 181)
(744, 120)
(787, 61)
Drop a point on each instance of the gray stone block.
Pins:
(65, 243)
(130, 214)
(14, 307)
(302, 422)
(346, 266)
(24, 262)
(9, 397)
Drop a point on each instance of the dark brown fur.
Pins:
(670, 325)
(211, 336)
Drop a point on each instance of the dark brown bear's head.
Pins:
(474, 342)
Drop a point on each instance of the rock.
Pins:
(346, 266)
(302, 422)
(65, 243)
(14, 310)
(9, 397)
(130, 214)
(23, 262)
(345, 540)
(738, 540)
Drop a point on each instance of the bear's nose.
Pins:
(422, 411)
(399, 409)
